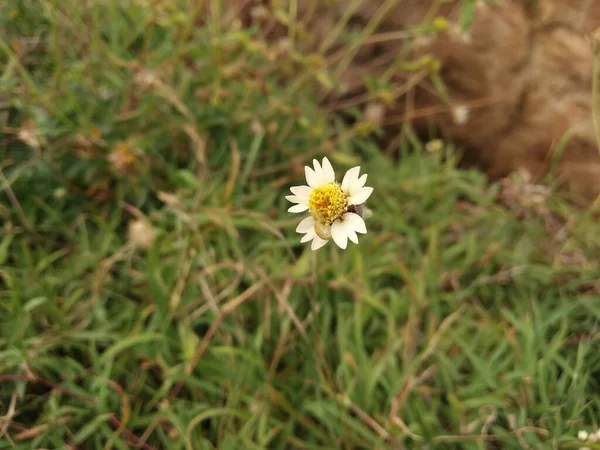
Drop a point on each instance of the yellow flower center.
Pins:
(327, 203)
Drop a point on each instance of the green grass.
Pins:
(457, 323)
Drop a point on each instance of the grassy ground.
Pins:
(154, 294)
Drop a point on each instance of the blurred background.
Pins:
(154, 293)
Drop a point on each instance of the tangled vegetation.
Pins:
(154, 293)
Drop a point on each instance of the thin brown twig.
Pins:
(225, 311)
(582, 338)
(282, 300)
(6, 420)
(15, 202)
(370, 421)
(439, 109)
(411, 380)
(129, 436)
(465, 437)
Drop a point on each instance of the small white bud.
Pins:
(583, 435)
(141, 233)
(460, 114)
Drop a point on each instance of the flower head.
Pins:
(588, 437)
(336, 210)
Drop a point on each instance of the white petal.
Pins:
(352, 235)
(354, 222)
(316, 166)
(311, 177)
(296, 199)
(583, 435)
(306, 225)
(358, 184)
(339, 235)
(311, 235)
(361, 196)
(317, 243)
(350, 178)
(328, 172)
(301, 191)
(319, 172)
(298, 208)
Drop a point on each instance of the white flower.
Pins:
(141, 233)
(335, 209)
(460, 114)
(307, 227)
(583, 435)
